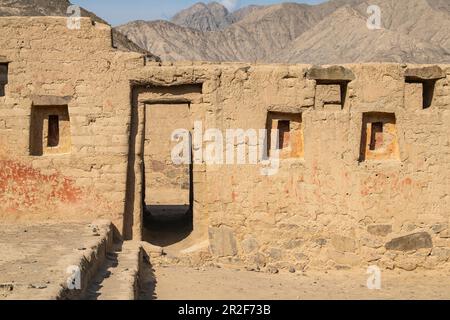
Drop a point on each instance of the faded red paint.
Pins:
(380, 182)
(407, 181)
(23, 186)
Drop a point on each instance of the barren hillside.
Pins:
(415, 31)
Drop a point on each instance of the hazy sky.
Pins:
(121, 11)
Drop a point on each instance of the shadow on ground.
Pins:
(165, 225)
(147, 281)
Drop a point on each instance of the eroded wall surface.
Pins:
(77, 76)
(370, 185)
(364, 175)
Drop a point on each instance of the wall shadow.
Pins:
(147, 280)
(165, 225)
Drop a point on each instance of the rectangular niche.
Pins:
(420, 85)
(379, 139)
(420, 94)
(290, 138)
(3, 78)
(50, 130)
(330, 95)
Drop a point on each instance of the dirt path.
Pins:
(176, 282)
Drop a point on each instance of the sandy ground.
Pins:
(34, 261)
(34, 258)
(176, 282)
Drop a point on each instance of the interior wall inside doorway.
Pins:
(165, 182)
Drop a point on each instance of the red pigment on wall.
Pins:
(23, 186)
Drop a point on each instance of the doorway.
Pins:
(167, 187)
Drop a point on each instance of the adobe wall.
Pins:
(335, 205)
(364, 178)
(76, 71)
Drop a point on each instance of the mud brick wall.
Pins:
(338, 203)
(364, 178)
(54, 70)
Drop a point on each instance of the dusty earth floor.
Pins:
(34, 258)
(186, 283)
(34, 261)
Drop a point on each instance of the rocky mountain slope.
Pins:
(59, 8)
(415, 31)
(204, 17)
(361, 44)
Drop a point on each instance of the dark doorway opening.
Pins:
(168, 194)
(166, 225)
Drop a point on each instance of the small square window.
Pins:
(427, 88)
(50, 130)
(290, 134)
(379, 137)
(330, 96)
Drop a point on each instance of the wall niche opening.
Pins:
(53, 131)
(290, 134)
(330, 95)
(379, 139)
(420, 85)
(49, 130)
(284, 128)
(426, 94)
(376, 138)
(3, 78)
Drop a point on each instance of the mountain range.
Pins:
(413, 31)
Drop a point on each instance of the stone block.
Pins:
(222, 241)
(371, 242)
(344, 258)
(50, 100)
(259, 260)
(381, 230)
(333, 73)
(293, 244)
(343, 244)
(275, 253)
(443, 254)
(410, 242)
(424, 73)
(439, 227)
(406, 265)
(249, 245)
